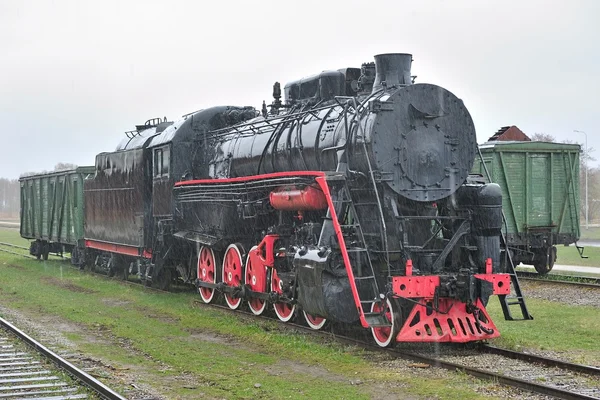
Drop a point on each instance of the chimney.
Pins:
(393, 69)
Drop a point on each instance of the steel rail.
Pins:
(17, 254)
(14, 252)
(550, 362)
(26, 248)
(104, 391)
(582, 281)
(504, 379)
(14, 245)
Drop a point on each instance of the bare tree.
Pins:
(542, 137)
(61, 166)
(9, 198)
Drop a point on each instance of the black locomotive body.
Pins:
(350, 200)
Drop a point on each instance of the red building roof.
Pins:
(507, 133)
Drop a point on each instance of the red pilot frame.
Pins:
(451, 320)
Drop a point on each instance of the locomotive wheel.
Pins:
(284, 311)
(256, 279)
(313, 321)
(384, 335)
(232, 273)
(206, 273)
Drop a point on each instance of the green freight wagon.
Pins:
(52, 211)
(540, 190)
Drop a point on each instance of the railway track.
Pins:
(548, 384)
(554, 371)
(581, 281)
(22, 251)
(24, 375)
(16, 250)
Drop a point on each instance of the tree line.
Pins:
(10, 196)
(593, 175)
(10, 192)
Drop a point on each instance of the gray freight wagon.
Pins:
(540, 189)
(52, 211)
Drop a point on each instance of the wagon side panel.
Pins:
(566, 195)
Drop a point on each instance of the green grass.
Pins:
(170, 336)
(12, 236)
(556, 326)
(592, 233)
(568, 255)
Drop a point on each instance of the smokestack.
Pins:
(393, 69)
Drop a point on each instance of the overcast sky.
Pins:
(74, 75)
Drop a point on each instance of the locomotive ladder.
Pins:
(360, 204)
(506, 301)
(354, 237)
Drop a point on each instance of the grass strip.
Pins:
(571, 330)
(189, 351)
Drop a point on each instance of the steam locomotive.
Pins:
(350, 200)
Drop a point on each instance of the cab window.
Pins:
(161, 162)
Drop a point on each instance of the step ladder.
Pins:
(506, 301)
(367, 223)
(355, 240)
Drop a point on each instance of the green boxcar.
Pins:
(52, 211)
(540, 188)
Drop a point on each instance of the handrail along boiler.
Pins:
(351, 200)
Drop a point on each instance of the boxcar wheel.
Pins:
(45, 251)
(36, 249)
(546, 261)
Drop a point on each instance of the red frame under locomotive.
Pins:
(349, 202)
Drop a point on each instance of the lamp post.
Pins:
(586, 179)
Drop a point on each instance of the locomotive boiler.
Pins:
(350, 200)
